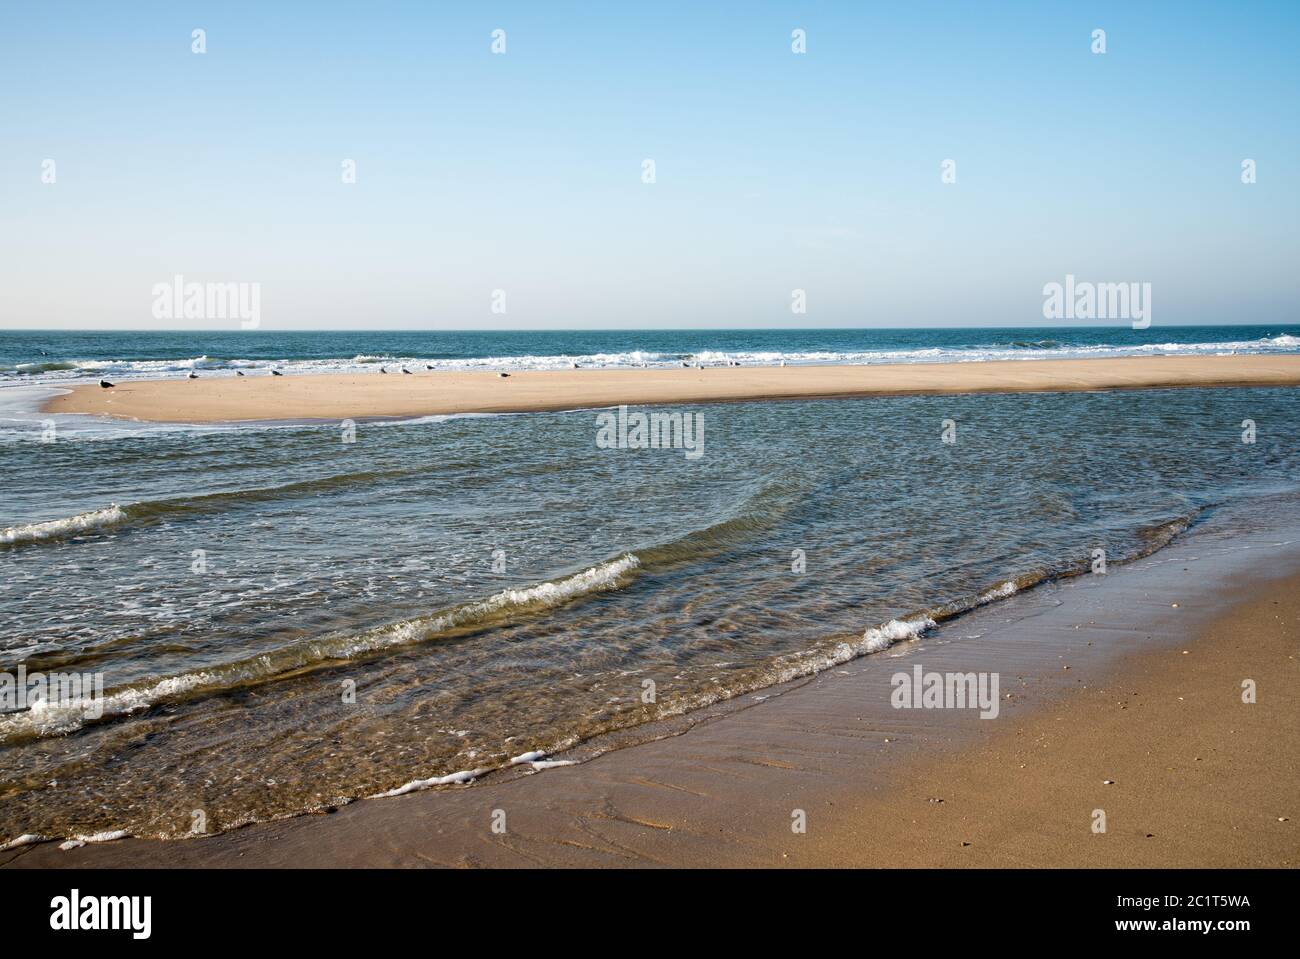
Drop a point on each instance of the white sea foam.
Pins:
(80, 370)
(74, 842)
(537, 760)
(111, 835)
(415, 785)
(55, 528)
(53, 718)
(875, 639)
(528, 757)
(878, 638)
(1008, 588)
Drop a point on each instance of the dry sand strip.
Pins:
(1100, 709)
(338, 396)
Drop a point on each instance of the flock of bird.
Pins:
(192, 375)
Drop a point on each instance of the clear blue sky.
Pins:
(522, 172)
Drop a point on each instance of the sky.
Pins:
(523, 171)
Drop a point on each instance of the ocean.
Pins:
(285, 618)
(57, 357)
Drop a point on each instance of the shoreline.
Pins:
(340, 396)
(1094, 675)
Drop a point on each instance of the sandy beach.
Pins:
(211, 399)
(563, 441)
(1120, 693)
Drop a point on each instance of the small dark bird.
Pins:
(503, 375)
(193, 375)
(382, 370)
(406, 371)
(105, 384)
(276, 373)
(238, 373)
(428, 366)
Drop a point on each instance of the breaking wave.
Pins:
(53, 718)
(149, 510)
(77, 370)
(56, 529)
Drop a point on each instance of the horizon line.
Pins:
(647, 329)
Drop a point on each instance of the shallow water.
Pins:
(285, 621)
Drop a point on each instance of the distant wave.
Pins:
(758, 513)
(1035, 344)
(148, 510)
(35, 369)
(754, 514)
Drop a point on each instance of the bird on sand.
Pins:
(105, 384)
(276, 373)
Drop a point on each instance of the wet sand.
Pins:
(1132, 677)
(214, 398)
(1186, 774)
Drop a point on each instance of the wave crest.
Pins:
(67, 716)
(60, 528)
